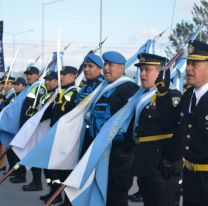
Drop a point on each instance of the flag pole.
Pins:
(58, 58)
(5, 152)
(10, 68)
(55, 195)
(11, 171)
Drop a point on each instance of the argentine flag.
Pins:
(31, 132)
(148, 47)
(59, 148)
(87, 184)
(61, 145)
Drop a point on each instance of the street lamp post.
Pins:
(16, 34)
(43, 24)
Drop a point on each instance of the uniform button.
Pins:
(188, 136)
(189, 126)
(149, 116)
(135, 134)
(186, 147)
(147, 107)
(137, 125)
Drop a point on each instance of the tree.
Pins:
(183, 29)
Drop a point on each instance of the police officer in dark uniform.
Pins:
(121, 157)
(9, 92)
(32, 76)
(51, 83)
(92, 67)
(157, 165)
(7, 96)
(64, 102)
(193, 127)
(19, 85)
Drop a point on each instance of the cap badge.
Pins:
(190, 49)
(142, 60)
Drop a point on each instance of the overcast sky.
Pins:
(126, 23)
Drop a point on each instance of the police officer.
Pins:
(6, 98)
(92, 67)
(63, 103)
(51, 83)
(9, 92)
(32, 76)
(193, 127)
(19, 85)
(121, 157)
(157, 166)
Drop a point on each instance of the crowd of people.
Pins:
(166, 139)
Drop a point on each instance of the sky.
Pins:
(127, 24)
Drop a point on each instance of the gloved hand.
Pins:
(1, 96)
(171, 168)
(163, 84)
(31, 111)
(60, 98)
(3, 99)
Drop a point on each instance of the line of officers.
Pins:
(168, 141)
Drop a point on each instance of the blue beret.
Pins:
(93, 58)
(114, 57)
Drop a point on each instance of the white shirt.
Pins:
(199, 93)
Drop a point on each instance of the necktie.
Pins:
(193, 102)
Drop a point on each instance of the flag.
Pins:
(148, 47)
(31, 133)
(61, 145)
(178, 72)
(10, 115)
(53, 64)
(5, 138)
(88, 181)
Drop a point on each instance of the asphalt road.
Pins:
(13, 195)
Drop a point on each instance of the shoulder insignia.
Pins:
(175, 101)
(41, 91)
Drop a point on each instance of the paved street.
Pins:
(12, 195)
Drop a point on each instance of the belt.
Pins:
(153, 138)
(195, 167)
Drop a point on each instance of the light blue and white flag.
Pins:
(87, 184)
(31, 132)
(178, 72)
(53, 64)
(148, 47)
(9, 116)
(61, 145)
